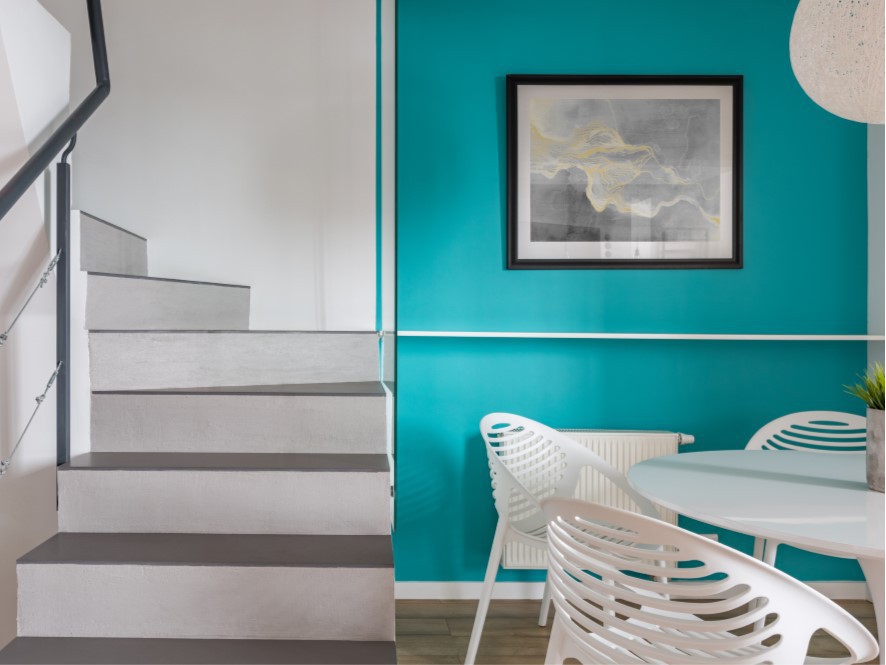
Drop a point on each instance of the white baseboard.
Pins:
(534, 590)
(467, 590)
(842, 590)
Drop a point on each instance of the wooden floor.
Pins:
(436, 632)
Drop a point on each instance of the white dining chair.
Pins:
(630, 589)
(807, 431)
(528, 462)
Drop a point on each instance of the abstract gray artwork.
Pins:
(625, 170)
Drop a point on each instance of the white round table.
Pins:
(815, 501)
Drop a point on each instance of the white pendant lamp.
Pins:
(837, 56)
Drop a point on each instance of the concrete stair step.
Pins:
(123, 651)
(273, 493)
(208, 586)
(305, 418)
(128, 302)
(133, 360)
(105, 247)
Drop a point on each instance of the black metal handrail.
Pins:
(42, 158)
(64, 135)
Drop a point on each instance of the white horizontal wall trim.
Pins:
(690, 336)
(533, 590)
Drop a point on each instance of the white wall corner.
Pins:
(38, 49)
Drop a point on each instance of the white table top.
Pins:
(818, 501)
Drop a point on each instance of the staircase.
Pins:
(235, 505)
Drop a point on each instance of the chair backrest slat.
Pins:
(529, 462)
(813, 431)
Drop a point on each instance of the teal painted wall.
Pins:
(804, 244)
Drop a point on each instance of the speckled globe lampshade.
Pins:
(837, 56)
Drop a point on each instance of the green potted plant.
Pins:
(870, 391)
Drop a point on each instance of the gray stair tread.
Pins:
(366, 463)
(166, 279)
(195, 549)
(104, 651)
(344, 389)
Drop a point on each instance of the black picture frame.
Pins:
(678, 225)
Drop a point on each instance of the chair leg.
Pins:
(555, 656)
(770, 551)
(486, 594)
(545, 604)
(759, 547)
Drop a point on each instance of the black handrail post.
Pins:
(63, 308)
(33, 168)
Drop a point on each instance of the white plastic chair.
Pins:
(807, 431)
(529, 462)
(630, 589)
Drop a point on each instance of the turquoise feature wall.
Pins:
(805, 230)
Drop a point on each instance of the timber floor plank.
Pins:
(436, 632)
(428, 660)
(419, 626)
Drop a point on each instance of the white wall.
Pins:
(388, 148)
(239, 138)
(876, 240)
(34, 66)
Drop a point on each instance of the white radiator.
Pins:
(622, 449)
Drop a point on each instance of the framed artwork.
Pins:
(624, 171)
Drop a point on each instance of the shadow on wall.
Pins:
(23, 273)
(478, 512)
(434, 489)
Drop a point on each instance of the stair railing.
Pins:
(4, 463)
(64, 135)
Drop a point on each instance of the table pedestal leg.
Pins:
(873, 573)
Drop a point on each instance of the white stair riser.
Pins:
(126, 303)
(262, 602)
(238, 423)
(132, 360)
(191, 501)
(105, 248)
